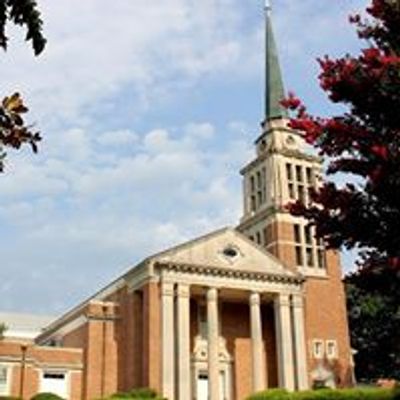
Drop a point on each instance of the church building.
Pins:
(239, 310)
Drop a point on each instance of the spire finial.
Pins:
(274, 90)
(268, 7)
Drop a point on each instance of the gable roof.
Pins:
(227, 249)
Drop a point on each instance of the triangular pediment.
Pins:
(225, 248)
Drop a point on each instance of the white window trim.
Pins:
(8, 382)
(319, 342)
(334, 355)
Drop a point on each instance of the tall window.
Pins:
(309, 176)
(299, 173)
(289, 172)
(301, 180)
(309, 251)
(298, 246)
(259, 183)
(252, 184)
(257, 189)
(291, 186)
(253, 203)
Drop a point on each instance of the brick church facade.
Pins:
(238, 310)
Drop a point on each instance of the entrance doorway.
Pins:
(202, 386)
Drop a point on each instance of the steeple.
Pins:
(274, 90)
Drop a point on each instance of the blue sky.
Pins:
(148, 110)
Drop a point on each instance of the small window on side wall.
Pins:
(318, 348)
(331, 349)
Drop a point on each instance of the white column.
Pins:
(300, 342)
(284, 342)
(212, 336)
(167, 332)
(183, 342)
(256, 343)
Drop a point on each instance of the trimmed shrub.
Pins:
(326, 394)
(136, 394)
(273, 394)
(9, 398)
(144, 393)
(46, 396)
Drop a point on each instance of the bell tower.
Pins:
(281, 172)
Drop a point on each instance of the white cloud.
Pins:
(110, 186)
(98, 49)
(118, 138)
(113, 214)
(204, 131)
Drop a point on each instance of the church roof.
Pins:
(224, 249)
(274, 88)
(23, 326)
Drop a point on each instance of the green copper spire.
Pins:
(274, 91)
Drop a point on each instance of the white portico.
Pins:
(220, 267)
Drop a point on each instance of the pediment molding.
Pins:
(215, 271)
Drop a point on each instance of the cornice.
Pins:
(229, 273)
(247, 222)
(295, 154)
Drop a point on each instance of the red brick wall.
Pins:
(76, 338)
(235, 325)
(100, 352)
(326, 318)
(325, 303)
(57, 358)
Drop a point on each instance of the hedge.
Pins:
(136, 394)
(46, 396)
(327, 394)
(9, 398)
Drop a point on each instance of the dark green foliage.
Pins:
(141, 393)
(23, 13)
(396, 392)
(3, 328)
(137, 394)
(326, 394)
(374, 317)
(13, 131)
(46, 396)
(9, 398)
(273, 394)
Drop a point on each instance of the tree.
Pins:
(13, 131)
(3, 328)
(374, 317)
(364, 141)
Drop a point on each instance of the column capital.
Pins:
(298, 300)
(282, 300)
(167, 288)
(182, 290)
(212, 294)
(255, 298)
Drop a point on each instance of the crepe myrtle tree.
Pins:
(363, 141)
(14, 133)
